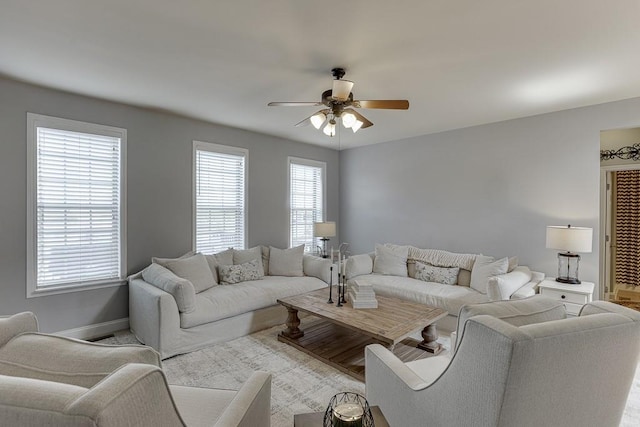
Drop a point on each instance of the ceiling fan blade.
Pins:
(294, 104)
(365, 122)
(390, 104)
(307, 121)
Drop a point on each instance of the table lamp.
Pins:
(324, 230)
(571, 240)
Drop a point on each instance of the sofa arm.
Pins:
(10, 326)
(153, 314)
(251, 406)
(530, 288)
(317, 267)
(135, 394)
(358, 265)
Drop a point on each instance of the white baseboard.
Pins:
(96, 330)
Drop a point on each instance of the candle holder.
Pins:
(330, 285)
(348, 410)
(344, 287)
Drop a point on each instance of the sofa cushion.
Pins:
(483, 268)
(246, 255)
(67, 360)
(250, 270)
(358, 265)
(221, 258)
(501, 287)
(221, 302)
(431, 273)
(194, 268)
(535, 309)
(286, 262)
(449, 298)
(391, 260)
(181, 289)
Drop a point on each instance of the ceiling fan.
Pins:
(340, 106)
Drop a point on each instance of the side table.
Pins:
(315, 419)
(572, 296)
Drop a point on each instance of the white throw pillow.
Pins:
(485, 267)
(250, 270)
(194, 268)
(513, 263)
(286, 262)
(391, 261)
(431, 273)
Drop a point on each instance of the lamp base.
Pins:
(569, 280)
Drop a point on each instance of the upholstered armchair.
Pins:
(56, 381)
(566, 372)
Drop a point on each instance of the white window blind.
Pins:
(219, 197)
(77, 226)
(306, 201)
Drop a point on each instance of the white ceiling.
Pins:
(459, 63)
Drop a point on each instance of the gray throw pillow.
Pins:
(231, 274)
(286, 262)
(195, 269)
(221, 258)
(245, 255)
(431, 273)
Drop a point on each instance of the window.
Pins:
(76, 205)
(306, 201)
(220, 197)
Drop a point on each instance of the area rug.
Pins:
(300, 383)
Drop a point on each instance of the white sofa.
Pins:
(166, 313)
(391, 270)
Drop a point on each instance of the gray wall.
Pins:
(488, 189)
(159, 158)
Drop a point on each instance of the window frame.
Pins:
(35, 121)
(222, 149)
(313, 163)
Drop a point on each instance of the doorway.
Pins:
(620, 218)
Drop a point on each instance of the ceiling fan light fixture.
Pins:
(356, 126)
(318, 119)
(348, 119)
(330, 128)
(341, 89)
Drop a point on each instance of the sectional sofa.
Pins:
(442, 279)
(185, 304)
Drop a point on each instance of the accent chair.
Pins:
(567, 372)
(56, 381)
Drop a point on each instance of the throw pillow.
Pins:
(246, 255)
(513, 263)
(431, 273)
(391, 261)
(195, 269)
(181, 289)
(230, 274)
(221, 258)
(286, 262)
(485, 267)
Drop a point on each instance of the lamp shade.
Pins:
(324, 229)
(341, 89)
(568, 238)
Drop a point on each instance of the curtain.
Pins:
(627, 227)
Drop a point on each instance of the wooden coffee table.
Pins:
(339, 338)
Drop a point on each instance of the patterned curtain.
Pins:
(627, 227)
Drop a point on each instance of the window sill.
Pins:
(64, 289)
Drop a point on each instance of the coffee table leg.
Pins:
(429, 343)
(293, 322)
